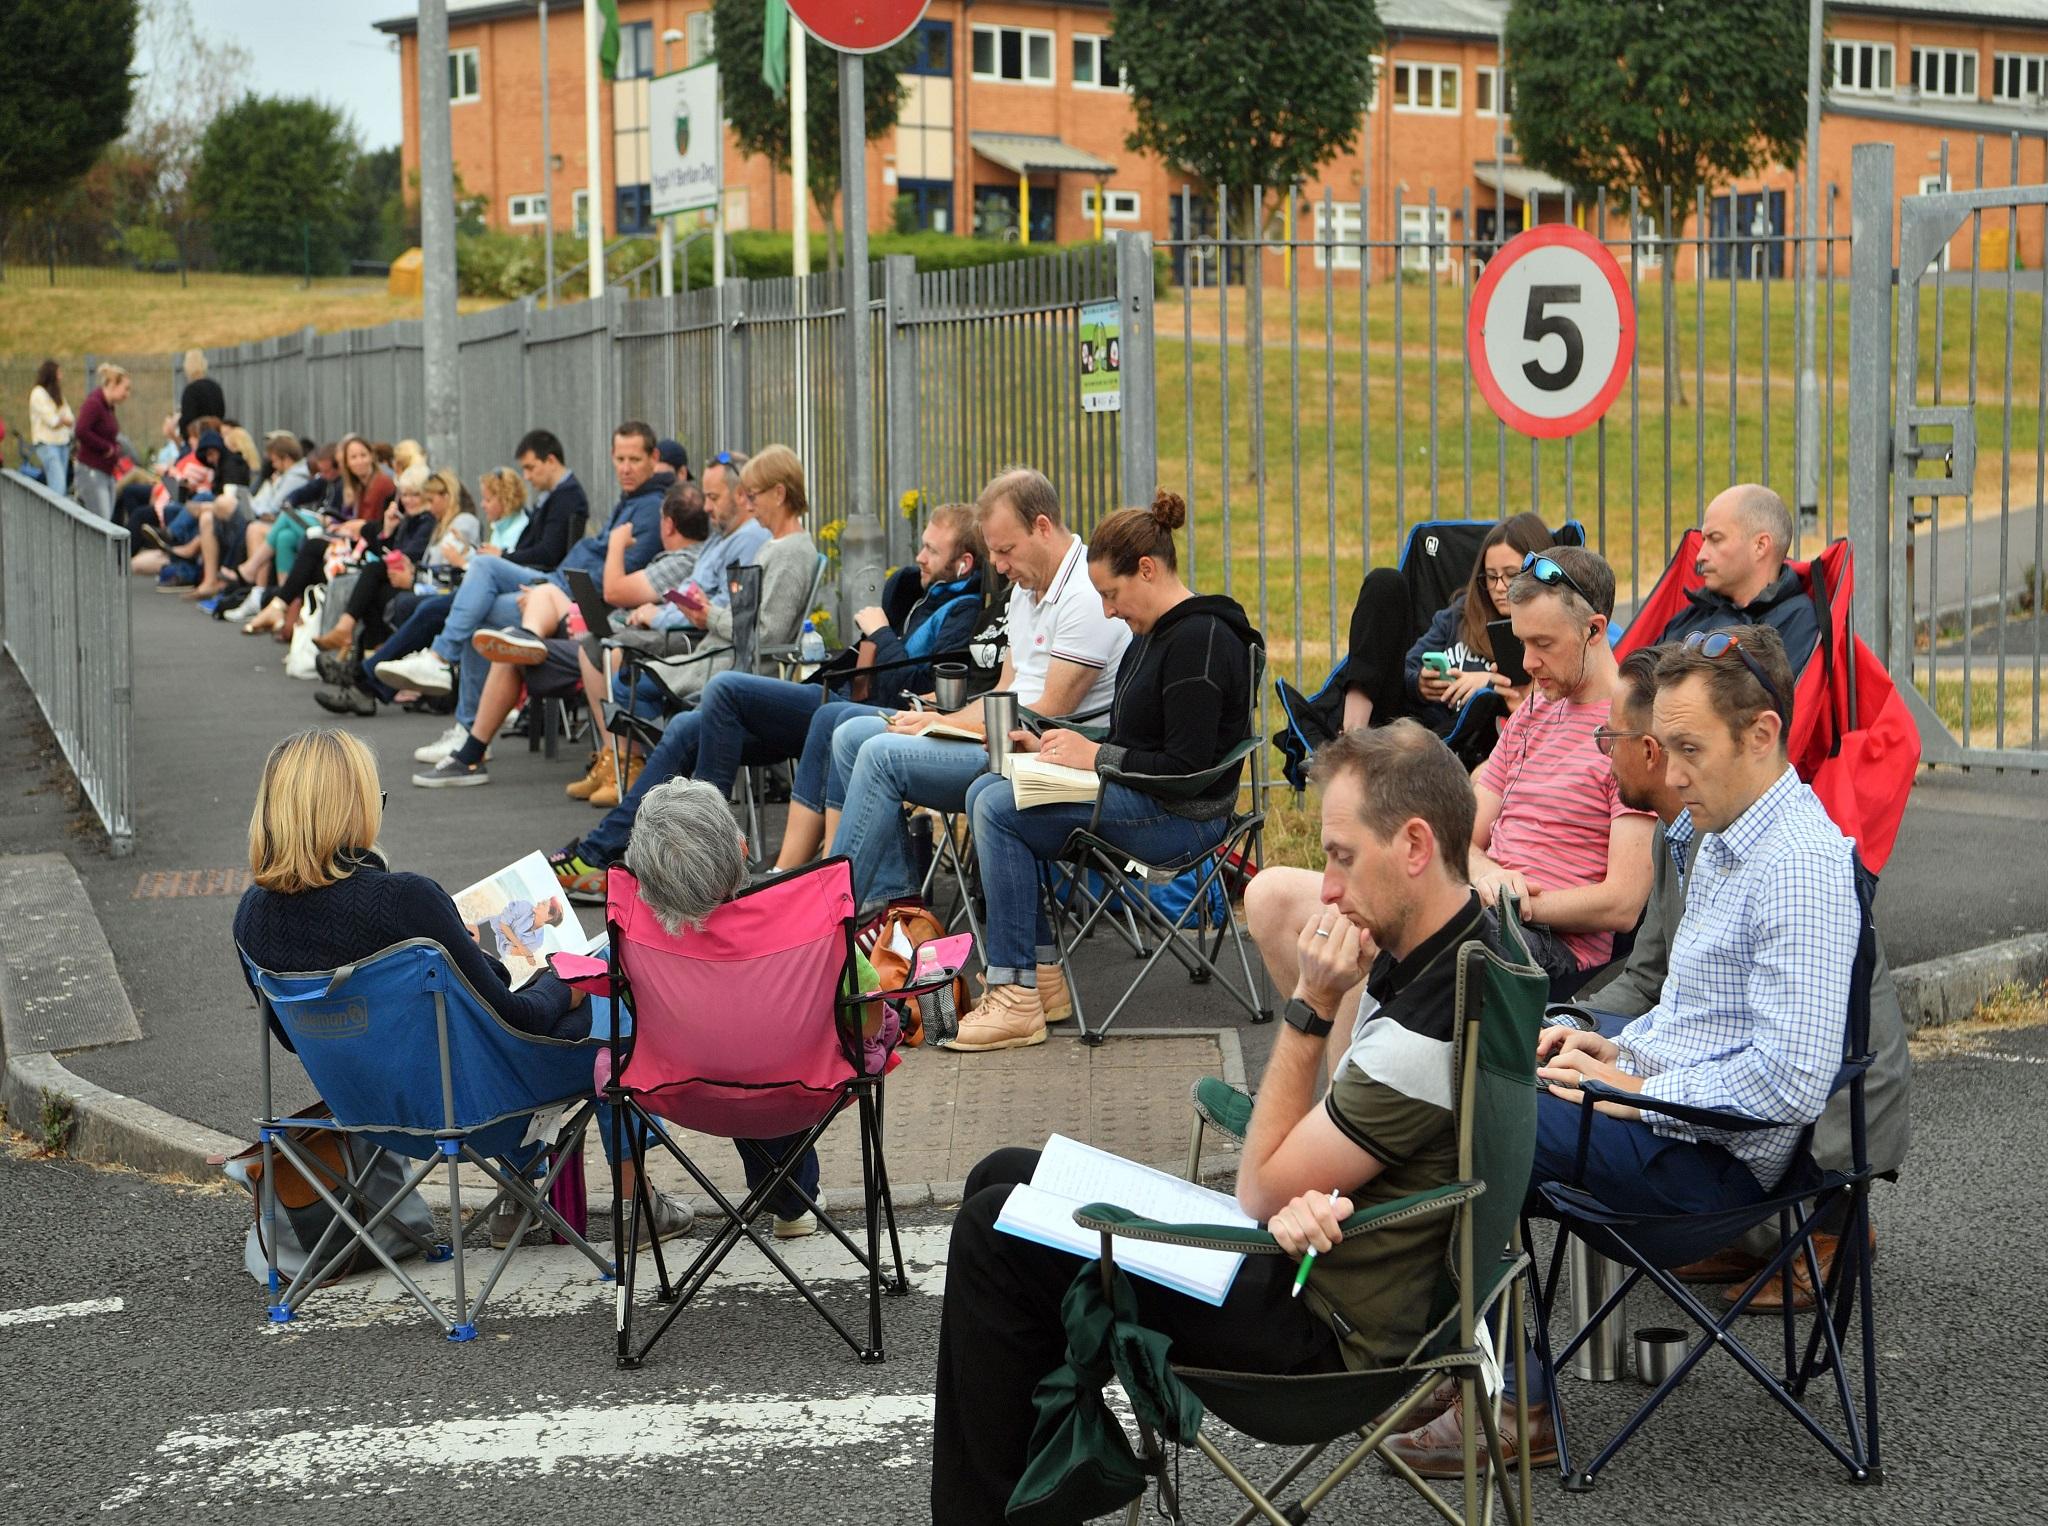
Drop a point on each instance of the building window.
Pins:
(465, 76)
(1862, 68)
(702, 32)
(2019, 77)
(636, 50)
(931, 49)
(1339, 223)
(1021, 55)
(635, 209)
(524, 211)
(1485, 82)
(1094, 68)
(1426, 87)
(579, 213)
(1948, 72)
(1118, 207)
(1416, 232)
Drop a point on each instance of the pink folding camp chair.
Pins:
(749, 1029)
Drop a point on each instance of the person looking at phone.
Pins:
(1459, 637)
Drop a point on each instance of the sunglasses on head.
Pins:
(723, 458)
(1549, 574)
(1720, 644)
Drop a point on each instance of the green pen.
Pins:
(1301, 1277)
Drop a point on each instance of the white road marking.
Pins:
(232, 1456)
(1999, 1055)
(549, 1281)
(44, 1314)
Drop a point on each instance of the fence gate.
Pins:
(1969, 460)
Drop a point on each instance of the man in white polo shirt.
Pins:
(1062, 662)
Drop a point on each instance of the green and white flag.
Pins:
(775, 47)
(608, 43)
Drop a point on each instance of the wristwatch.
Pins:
(1299, 1014)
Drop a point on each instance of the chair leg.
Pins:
(872, 1200)
(465, 1330)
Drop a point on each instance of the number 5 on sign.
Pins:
(1552, 331)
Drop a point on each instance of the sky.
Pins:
(322, 48)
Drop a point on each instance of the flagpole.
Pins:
(593, 162)
(799, 148)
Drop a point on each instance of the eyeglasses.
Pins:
(1605, 737)
(1720, 644)
(383, 798)
(1549, 574)
(1498, 579)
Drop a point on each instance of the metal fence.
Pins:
(971, 370)
(64, 602)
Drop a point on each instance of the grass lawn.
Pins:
(2022, 710)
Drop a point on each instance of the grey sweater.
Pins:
(787, 567)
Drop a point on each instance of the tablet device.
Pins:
(597, 615)
(1507, 651)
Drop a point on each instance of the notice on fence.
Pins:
(1102, 358)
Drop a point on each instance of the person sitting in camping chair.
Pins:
(1396, 905)
(1745, 536)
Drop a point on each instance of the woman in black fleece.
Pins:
(1183, 700)
(323, 898)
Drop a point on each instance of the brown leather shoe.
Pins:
(1731, 1263)
(1437, 1450)
(1434, 1403)
(1770, 1298)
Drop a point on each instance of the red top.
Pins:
(96, 437)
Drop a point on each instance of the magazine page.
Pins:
(521, 915)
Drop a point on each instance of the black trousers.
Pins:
(1379, 644)
(308, 568)
(1001, 1333)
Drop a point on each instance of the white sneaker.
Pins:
(805, 1223)
(246, 610)
(420, 670)
(442, 745)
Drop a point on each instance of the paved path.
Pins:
(752, 1412)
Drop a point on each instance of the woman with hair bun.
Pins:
(1183, 701)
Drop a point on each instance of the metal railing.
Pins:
(64, 603)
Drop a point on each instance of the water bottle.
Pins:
(810, 646)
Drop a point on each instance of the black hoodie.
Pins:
(1183, 699)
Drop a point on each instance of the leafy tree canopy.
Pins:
(1640, 99)
(274, 181)
(65, 90)
(1242, 94)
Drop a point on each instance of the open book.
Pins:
(1036, 782)
(1072, 1175)
(947, 731)
(521, 916)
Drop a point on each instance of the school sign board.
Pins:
(686, 140)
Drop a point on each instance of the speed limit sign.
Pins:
(1552, 331)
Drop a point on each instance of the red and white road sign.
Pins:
(859, 26)
(1552, 331)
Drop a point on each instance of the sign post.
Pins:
(1552, 331)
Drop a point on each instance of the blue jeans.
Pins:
(487, 599)
(1010, 843)
(680, 755)
(751, 719)
(426, 621)
(55, 461)
(820, 783)
(883, 771)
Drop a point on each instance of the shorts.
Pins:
(559, 674)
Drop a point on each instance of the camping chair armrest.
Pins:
(1684, 1112)
(1222, 1106)
(1108, 1219)
(1092, 724)
(827, 674)
(1182, 786)
(681, 659)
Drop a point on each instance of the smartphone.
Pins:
(1507, 651)
(1438, 663)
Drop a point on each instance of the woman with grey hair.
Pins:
(687, 853)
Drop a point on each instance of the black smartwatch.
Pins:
(1299, 1014)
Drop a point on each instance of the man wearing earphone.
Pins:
(1552, 827)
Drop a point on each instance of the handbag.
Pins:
(891, 942)
(302, 657)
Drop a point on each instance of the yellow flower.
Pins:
(912, 501)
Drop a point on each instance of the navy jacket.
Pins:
(551, 528)
(1783, 605)
(949, 609)
(643, 510)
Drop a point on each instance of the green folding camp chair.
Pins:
(1500, 1008)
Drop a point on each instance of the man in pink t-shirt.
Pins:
(1551, 826)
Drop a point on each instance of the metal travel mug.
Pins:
(1594, 1278)
(1659, 1350)
(998, 719)
(949, 685)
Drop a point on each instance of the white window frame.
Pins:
(1438, 74)
(1934, 185)
(528, 211)
(1094, 43)
(2019, 65)
(1415, 238)
(1879, 74)
(1028, 34)
(1342, 253)
(1489, 76)
(457, 57)
(1965, 60)
(1122, 206)
(701, 30)
(579, 211)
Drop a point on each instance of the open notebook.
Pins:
(1072, 1175)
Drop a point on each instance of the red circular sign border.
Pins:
(1542, 237)
(844, 10)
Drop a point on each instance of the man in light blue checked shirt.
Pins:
(1754, 1010)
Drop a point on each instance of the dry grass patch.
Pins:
(2011, 1006)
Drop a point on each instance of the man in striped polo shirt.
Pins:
(1552, 827)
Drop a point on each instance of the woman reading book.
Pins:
(1183, 701)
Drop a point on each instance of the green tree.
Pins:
(761, 122)
(65, 90)
(273, 183)
(1245, 95)
(376, 206)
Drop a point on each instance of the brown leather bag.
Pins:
(909, 922)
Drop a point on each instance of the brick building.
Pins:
(1015, 119)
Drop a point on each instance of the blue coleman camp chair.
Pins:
(414, 1063)
(1436, 563)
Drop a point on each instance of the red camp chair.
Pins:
(1852, 737)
